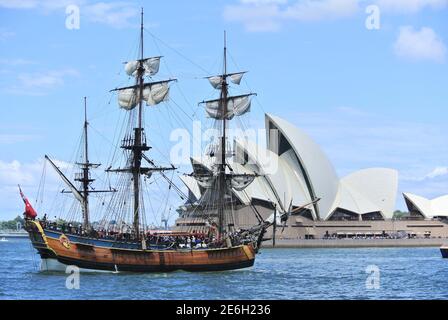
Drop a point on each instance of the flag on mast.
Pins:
(29, 210)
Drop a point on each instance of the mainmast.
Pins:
(129, 98)
(222, 166)
(138, 147)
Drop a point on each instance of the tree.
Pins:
(12, 224)
(398, 214)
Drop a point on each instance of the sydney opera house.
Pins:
(427, 209)
(292, 170)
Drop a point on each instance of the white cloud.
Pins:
(410, 6)
(115, 13)
(28, 176)
(437, 172)
(255, 17)
(14, 173)
(16, 138)
(6, 34)
(16, 62)
(322, 10)
(269, 15)
(423, 44)
(47, 5)
(39, 83)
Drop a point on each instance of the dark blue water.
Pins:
(405, 273)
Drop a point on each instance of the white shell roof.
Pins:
(429, 208)
(303, 172)
(316, 166)
(277, 173)
(368, 190)
(192, 185)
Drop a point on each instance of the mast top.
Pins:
(85, 111)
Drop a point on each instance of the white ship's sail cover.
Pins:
(239, 183)
(127, 99)
(152, 93)
(236, 77)
(151, 66)
(236, 106)
(216, 81)
(156, 93)
(206, 182)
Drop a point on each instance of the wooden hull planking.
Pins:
(54, 245)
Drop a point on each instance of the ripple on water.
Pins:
(405, 273)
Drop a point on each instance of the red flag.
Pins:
(29, 210)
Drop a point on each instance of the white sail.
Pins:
(236, 77)
(241, 182)
(205, 182)
(153, 93)
(151, 66)
(156, 93)
(127, 99)
(236, 106)
(216, 81)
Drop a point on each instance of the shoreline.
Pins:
(354, 243)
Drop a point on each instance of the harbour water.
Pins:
(404, 273)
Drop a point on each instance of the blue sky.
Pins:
(370, 98)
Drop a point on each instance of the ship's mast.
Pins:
(138, 147)
(222, 166)
(153, 92)
(84, 176)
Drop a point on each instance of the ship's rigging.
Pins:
(217, 202)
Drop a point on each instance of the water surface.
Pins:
(405, 273)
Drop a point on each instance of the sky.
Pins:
(366, 79)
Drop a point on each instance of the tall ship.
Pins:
(121, 240)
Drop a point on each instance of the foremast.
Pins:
(84, 177)
(139, 147)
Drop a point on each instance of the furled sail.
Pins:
(216, 81)
(236, 106)
(150, 65)
(241, 182)
(153, 94)
(238, 182)
(156, 93)
(127, 98)
(206, 182)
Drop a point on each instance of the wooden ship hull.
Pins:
(58, 250)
